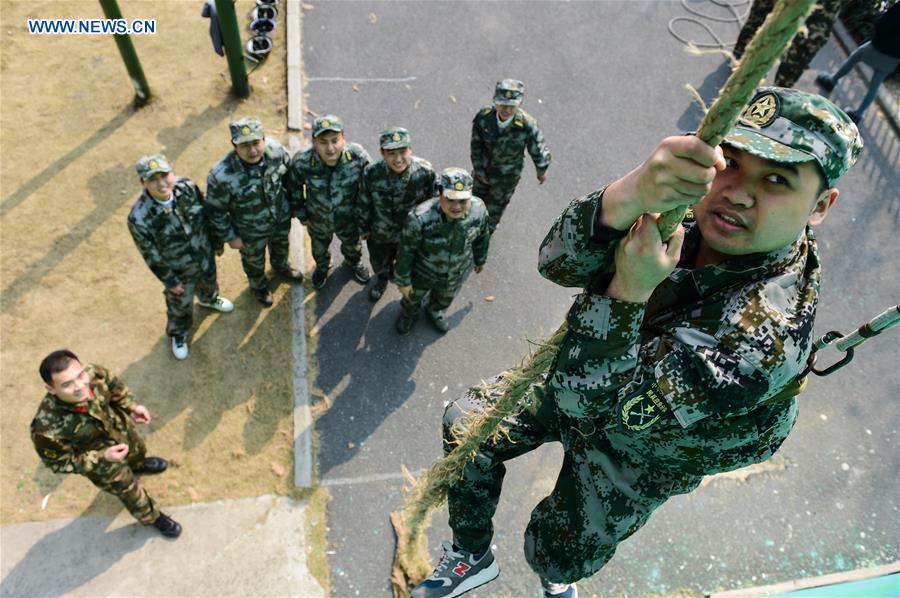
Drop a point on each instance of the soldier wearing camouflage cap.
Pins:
(441, 240)
(249, 193)
(682, 357)
(169, 223)
(85, 425)
(501, 134)
(328, 175)
(390, 188)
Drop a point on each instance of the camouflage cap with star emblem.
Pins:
(456, 183)
(788, 125)
(329, 122)
(149, 165)
(394, 138)
(509, 92)
(246, 129)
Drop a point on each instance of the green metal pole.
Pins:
(234, 50)
(129, 56)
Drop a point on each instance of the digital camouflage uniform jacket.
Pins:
(435, 251)
(73, 438)
(684, 382)
(386, 197)
(249, 201)
(327, 196)
(494, 153)
(173, 241)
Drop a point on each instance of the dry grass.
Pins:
(71, 276)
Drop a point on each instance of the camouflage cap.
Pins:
(149, 165)
(394, 138)
(246, 129)
(787, 125)
(509, 92)
(456, 183)
(329, 122)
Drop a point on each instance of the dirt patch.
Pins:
(71, 276)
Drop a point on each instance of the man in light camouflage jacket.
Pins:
(249, 198)
(327, 177)
(682, 357)
(168, 223)
(441, 239)
(390, 188)
(85, 425)
(500, 136)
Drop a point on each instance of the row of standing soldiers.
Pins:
(422, 230)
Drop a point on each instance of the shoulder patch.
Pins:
(486, 110)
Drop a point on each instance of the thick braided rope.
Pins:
(429, 492)
(762, 52)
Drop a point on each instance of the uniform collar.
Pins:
(752, 266)
(58, 405)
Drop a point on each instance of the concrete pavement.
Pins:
(244, 547)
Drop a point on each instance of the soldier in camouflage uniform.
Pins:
(248, 194)
(390, 188)
(500, 136)
(168, 225)
(328, 176)
(859, 14)
(440, 240)
(682, 357)
(85, 425)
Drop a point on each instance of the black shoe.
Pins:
(404, 324)
(360, 272)
(825, 81)
(319, 278)
(167, 526)
(264, 296)
(438, 320)
(291, 274)
(378, 289)
(151, 465)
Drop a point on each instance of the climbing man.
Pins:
(682, 356)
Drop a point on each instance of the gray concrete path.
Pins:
(245, 547)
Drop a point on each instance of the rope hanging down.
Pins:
(411, 564)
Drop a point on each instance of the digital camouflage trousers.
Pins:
(118, 479)
(496, 194)
(598, 501)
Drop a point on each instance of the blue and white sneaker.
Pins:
(457, 572)
(559, 590)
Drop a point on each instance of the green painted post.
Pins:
(129, 56)
(234, 50)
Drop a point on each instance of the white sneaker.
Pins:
(220, 304)
(179, 347)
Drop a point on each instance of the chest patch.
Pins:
(644, 409)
